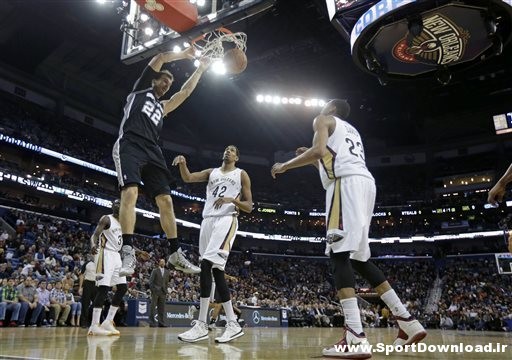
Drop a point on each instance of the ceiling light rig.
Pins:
(268, 99)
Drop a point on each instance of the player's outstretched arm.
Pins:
(185, 173)
(301, 150)
(314, 153)
(498, 191)
(186, 89)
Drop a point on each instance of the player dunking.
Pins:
(338, 152)
(106, 242)
(227, 191)
(138, 157)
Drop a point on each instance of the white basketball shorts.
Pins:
(349, 210)
(108, 263)
(216, 238)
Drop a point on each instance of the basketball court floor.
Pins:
(258, 343)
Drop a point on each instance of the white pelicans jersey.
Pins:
(222, 185)
(112, 238)
(345, 154)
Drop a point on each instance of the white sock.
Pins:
(228, 309)
(112, 312)
(96, 315)
(203, 309)
(352, 314)
(394, 304)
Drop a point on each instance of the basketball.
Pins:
(235, 61)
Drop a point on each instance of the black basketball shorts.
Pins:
(138, 162)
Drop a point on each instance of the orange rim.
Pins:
(201, 37)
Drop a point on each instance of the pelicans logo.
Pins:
(441, 42)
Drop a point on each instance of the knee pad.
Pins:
(343, 273)
(205, 278)
(101, 295)
(369, 271)
(121, 289)
(222, 286)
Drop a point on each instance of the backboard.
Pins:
(144, 36)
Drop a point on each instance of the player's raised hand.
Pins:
(180, 159)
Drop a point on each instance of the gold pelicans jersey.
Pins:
(222, 185)
(345, 154)
(112, 238)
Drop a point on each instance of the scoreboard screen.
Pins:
(503, 123)
(336, 6)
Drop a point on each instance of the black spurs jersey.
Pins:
(143, 113)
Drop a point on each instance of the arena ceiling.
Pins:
(73, 47)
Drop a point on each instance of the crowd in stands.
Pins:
(476, 298)
(40, 266)
(27, 121)
(391, 225)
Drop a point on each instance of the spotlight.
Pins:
(260, 98)
(314, 102)
(307, 103)
(321, 103)
(298, 101)
(148, 31)
(284, 100)
(101, 1)
(144, 17)
(176, 49)
(276, 100)
(268, 98)
(201, 2)
(291, 101)
(186, 45)
(197, 63)
(218, 67)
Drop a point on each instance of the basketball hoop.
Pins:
(211, 45)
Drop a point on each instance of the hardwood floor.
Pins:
(258, 343)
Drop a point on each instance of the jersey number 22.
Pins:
(154, 114)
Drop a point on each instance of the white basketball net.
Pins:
(212, 47)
